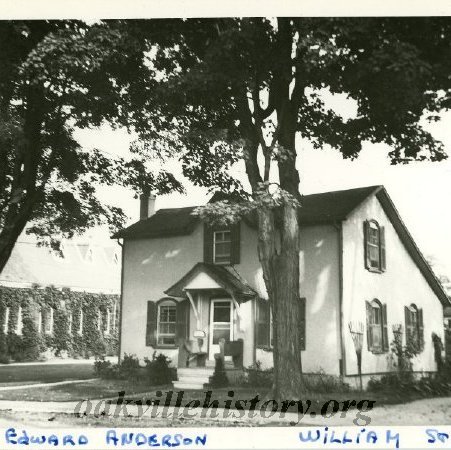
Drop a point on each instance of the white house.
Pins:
(185, 286)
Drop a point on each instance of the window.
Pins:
(376, 319)
(222, 246)
(108, 315)
(374, 246)
(70, 319)
(19, 325)
(414, 326)
(167, 323)
(6, 318)
(48, 324)
(80, 326)
(264, 324)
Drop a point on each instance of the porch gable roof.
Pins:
(220, 274)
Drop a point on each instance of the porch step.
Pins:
(193, 377)
(187, 386)
(195, 372)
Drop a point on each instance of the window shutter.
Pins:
(385, 343)
(382, 248)
(235, 246)
(366, 234)
(408, 323)
(420, 328)
(182, 320)
(369, 331)
(151, 327)
(262, 324)
(208, 244)
(302, 321)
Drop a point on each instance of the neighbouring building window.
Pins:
(70, 319)
(99, 320)
(108, 327)
(19, 324)
(48, 328)
(414, 326)
(376, 320)
(222, 245)
(167, 323)
(39, 319)
(80, 326)
(375, 259)
(5, 324)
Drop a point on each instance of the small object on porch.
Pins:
(219, 377)
(186, 355)
(235, 350)
(201, 359)
(200, 344)
(356, 330)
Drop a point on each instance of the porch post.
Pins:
(193, 305)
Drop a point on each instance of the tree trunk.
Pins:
(280, 262)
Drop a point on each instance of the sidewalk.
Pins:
(435, 411)
(58, 361)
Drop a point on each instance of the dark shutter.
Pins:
(182, 320)
(408, 323)
(208, 244)
(420, 328)
(382, 248)
(366, 234)
(385, 343)
(236, 244)
(369, 330)
(151, 327)
(302, 322)
(262, 324)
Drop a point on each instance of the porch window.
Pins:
(167, 323)
(374, 246)
(376, 318)
(414, 326)
(222, 247)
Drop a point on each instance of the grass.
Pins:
(95, 389)
(44, 373)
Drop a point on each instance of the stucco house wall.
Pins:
(153, 265)
(400, 285)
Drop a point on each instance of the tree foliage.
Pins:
(243, 90)
(56, 76)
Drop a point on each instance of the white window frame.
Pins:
(373, 225)
(19, 325)
(80, 326)
(49, 321)
(108, 322)
(70, 319)
(171, 304)
(5, 325)
(215, 233)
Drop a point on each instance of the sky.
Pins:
(421, 191)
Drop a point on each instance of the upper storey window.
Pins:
(222, 245)
(374, 246)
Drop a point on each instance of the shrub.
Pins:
(103, 369)
(322, 382)
(219, 378)
(257, 377)
(158, 370)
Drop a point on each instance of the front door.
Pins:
(221, 324)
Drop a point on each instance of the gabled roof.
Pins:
(327, 207)
(165, 222)
(227, 280)
(410, 245)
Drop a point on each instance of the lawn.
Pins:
(94, 389)
(44, 373)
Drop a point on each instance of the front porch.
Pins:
(219, 325)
